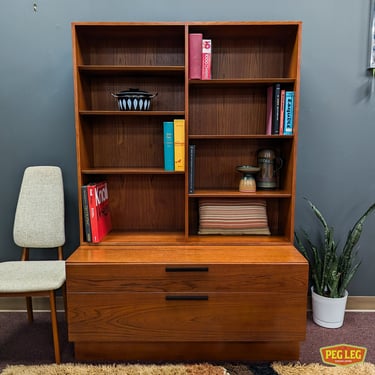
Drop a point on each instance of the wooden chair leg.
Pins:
(63, 290)
(55, 332)
(29, 308)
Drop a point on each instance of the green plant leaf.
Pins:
(331, 270)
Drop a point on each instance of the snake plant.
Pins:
(332, 270)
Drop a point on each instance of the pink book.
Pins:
(195, 55)
(206, 58)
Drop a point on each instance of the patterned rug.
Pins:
(79, 369)
(315, 368)
(191, 369)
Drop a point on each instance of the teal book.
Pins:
(289, 113)
(168, 145)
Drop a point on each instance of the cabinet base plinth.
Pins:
(187, 351)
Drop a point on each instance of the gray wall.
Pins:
(337, 130)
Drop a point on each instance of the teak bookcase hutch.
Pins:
(154, 289)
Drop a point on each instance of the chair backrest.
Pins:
(40, 218)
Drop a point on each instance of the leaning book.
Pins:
(100, 216)
(86, 214)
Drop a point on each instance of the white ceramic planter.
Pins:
(328, 312)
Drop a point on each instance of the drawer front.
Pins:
(186, 278)
(186, 317)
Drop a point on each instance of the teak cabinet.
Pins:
(154, 288)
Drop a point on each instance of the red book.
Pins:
(195, 55)
(100, 218)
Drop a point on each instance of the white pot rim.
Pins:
(320, 296)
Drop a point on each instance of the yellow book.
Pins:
(179, 144)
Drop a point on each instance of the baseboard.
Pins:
(360, 303)
(355, 303)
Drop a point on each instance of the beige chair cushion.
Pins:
(31, 276)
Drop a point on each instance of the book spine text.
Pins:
(179, 144)
(168, 145)
(289, 113)
(276, 109)
(282, 108)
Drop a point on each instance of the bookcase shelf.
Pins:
(236, 194)
(241, 81)
(126, 69)
(107, 171)
(225, 116)
(132, 113)
(255, 284)
(239, 136)
(116, 238)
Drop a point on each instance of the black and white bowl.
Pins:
(134, 100)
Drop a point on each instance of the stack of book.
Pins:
(96, 214)
(200, 54)
(174, 145)
(280, 110)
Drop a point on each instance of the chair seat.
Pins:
(31, 276)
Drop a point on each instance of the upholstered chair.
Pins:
(39, 224)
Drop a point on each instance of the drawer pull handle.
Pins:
(186, 298)
(186, 269)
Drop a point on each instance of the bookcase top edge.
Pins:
(187, 23)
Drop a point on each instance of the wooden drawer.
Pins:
(186, 317)
(185, 278)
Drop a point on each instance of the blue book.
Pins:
(289, 113)
(168, 145)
